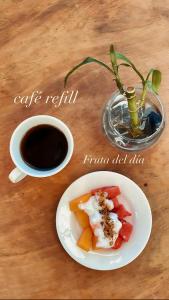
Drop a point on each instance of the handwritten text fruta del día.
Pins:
(119, 159)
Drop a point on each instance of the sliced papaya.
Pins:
(85, 240)
(74, 204)
(82, 218)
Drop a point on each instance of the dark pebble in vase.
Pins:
(153, 121)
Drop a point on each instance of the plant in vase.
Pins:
(133, 118)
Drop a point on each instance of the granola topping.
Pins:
(104, 222)
(107, 221)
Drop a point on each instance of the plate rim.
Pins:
(148, 234)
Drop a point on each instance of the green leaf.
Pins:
(156, 80)
(123, 64)
(123, 57)
(149, 73)
(84, 62)
(149, 84)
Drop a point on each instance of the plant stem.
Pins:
(119, 84)
(115, 69)
(132, 105)
(143, 94)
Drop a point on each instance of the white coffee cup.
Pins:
(22, 169)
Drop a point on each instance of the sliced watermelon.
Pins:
(125, 231)
(122, 212)
(115, 202)
(118, 243)
(113, 191)
(101, 189)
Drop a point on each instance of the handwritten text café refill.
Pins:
(66, 97)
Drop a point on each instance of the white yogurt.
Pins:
(117, 223)
(109, 204)
(91, 207)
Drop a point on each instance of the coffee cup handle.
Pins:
(16, 175)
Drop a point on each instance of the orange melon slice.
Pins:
(74, 204)
(82, 218)
(85, 240)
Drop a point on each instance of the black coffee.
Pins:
(44, 147)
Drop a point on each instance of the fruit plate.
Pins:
(134, 200)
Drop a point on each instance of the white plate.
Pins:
(133, 198)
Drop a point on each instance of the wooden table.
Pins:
(39, 42)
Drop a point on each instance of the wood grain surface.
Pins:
(39, 41)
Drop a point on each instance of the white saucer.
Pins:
(133, 198)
